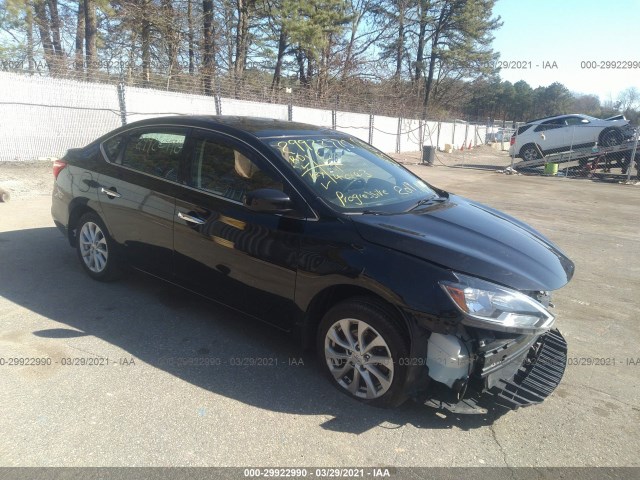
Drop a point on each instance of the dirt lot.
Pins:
(26, 179)
(162, 413)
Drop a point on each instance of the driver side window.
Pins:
(571, 121)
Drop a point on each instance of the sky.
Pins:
(570, 32)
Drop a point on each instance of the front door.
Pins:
(223, 250)
(582, 132)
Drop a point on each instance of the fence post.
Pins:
(398, 135)
(438, 137)
(217, 100)
(371, 128)
(420, 134)
(289, 93)
(453, 136)
(633, 157)
(334, 113)
(122, 103)
(466, 133)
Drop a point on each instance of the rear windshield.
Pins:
(523, 129)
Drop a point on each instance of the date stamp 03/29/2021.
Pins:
(587, 64)
(260, 361)
(129, 361)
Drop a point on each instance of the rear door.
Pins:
(223, 250)
(137, 194)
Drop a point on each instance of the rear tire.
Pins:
(529, 152)
(363, 352)
(95, 248)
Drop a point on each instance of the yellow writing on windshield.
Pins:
(405, 189)
(318, 157)
(331, 176)
(347, 199)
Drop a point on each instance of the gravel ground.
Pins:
(26, 179)
(156, 412)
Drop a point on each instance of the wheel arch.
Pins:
(324, 300)
(529, 144)
(77, 208)
(609, 129)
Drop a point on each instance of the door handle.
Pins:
(110, 193)
(191, 219)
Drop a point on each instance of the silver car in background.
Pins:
(566, 132)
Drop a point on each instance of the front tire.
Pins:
(95, 248)
(362, 351)
(610, 137)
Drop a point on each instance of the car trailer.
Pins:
(589, 158)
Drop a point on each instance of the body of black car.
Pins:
(403, 288)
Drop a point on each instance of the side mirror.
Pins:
(268, 200)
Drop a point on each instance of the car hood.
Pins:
(471, 238)
(617, 121)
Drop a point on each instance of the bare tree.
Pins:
(42, 22)
(190, 36)
(245, 12)
(208, 58)
(629, 99)
(29, 26)
(90, 37)
(80, 32)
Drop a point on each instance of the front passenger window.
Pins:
(220, 169)
(571, 121)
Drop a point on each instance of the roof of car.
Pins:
(560, 116)
(546, 118)
(258, 127)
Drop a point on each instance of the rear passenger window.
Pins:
(111, 148)
(156, 153)
(551, 124)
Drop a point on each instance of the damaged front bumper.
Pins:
(518, 373)
(537, 376)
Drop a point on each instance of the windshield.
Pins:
(350, 174)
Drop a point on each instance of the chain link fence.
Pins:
(42, 117)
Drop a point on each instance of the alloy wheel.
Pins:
(359, 358)
(93, 247)
(530, 153)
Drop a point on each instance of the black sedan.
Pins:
(405, 289)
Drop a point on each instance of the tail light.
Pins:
(513, 140)
(58, 166)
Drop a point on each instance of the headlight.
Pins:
(490, 306)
